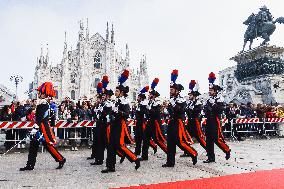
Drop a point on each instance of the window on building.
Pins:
(97, 80)
(73, 77)
(56, 94)
(97, 60)
(73, 95)
(134, 95)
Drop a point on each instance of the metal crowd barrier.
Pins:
(238, 125)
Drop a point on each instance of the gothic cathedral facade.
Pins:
(81, 69)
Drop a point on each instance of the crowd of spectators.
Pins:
(86, 110)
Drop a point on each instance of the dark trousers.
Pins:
(34, 145)
(194, 129)
(117, 145)
(95, 142)
(153, 131)
(214, 136)
(138, 131)
(102, 142)
(177, 137)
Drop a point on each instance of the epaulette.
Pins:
(180, 100)
(124, 101)
(144, 102)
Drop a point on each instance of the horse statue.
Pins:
(260, 26)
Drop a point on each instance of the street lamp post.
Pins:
(17, 79)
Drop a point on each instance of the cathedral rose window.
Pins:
(97, 60)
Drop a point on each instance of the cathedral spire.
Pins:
(112, 34)
(127, 59)
(107, 33)
(47, 54)
(81, 30)
(87, 30)
(65, 46)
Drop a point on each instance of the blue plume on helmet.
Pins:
(100, 88)
(211, 78)
(154, 83)
(174, 76)
(144, 90)
(124, 76)
(192, 84)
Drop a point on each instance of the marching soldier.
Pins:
(97, 113)
(120, 111)
(176, 131)
(45, 133)
(104, 120)
(213, 108)
(193, 110)
(140, 116)
(153, 127)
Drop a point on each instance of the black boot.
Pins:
(108, 170)
(184, 155)
(88, 158)
(168, 165)
(209, 161)
(122, 160)
(228, 155)
(97, 163)
(143, 159)
(137, 164)
(27, 168)
(61, 164)
(155, 150)
(194, 160)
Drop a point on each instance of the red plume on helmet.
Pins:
(47, 89)
(100, 88)
(124, 76)
(174, 76)
(105, 81)
(211, 78)
(154, 83)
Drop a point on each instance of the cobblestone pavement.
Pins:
(247, 156)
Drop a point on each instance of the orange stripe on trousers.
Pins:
(221, 142)
(122, 146)
(181, 134)
(200, 133)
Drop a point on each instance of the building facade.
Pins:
(6, 96)
(79, 71)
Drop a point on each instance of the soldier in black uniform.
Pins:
(140, 116)
(153, 127)
(213, 108)
(96, 111)
(193, 111)
(104, 121)
(45, 133)
(176, 131)
(120, 112)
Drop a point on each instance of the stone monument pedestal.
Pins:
(257, 77)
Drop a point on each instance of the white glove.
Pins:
(148, 107)
(115, 109)
(107, 118)
(166, 111)
(211, 100)
(33, 131)
(191, 107)
(101, 108)
(172, 102)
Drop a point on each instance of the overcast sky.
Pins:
(195, 37)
